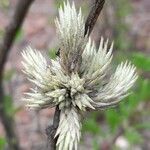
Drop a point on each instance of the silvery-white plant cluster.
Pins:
(77, 80)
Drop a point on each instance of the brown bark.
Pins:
(51, 130)
(11, 30)
(93, 15)
(8, 123)
(16, 21)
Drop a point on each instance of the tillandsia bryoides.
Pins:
(76, 81)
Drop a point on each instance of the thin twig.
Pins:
(20, 12)
(12, 29)
(51, 130)
(8, 123)
(90, 22)
(93, 15)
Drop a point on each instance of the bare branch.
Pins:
(8, 123)
(20, 12)
(11, 30)
(93, 15)
(51, 130)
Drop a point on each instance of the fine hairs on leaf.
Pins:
(76, 81)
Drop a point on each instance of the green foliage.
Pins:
(19, 35)
(8, 105)
(143, 91)
(121, 10)
(52, 53)
(10, 110)
(1, 33)
(90, 125)
(4, 3)
(133, 136)
(8, 75)
(59, 3)
(113, 119)
(143, 125)
(95, 144)
(141, 61)
(2, 143)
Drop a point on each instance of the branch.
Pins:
(93, 15)
(8, 123)
(51, 130)
(5, 46)
(12, 29)
(90, 22)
